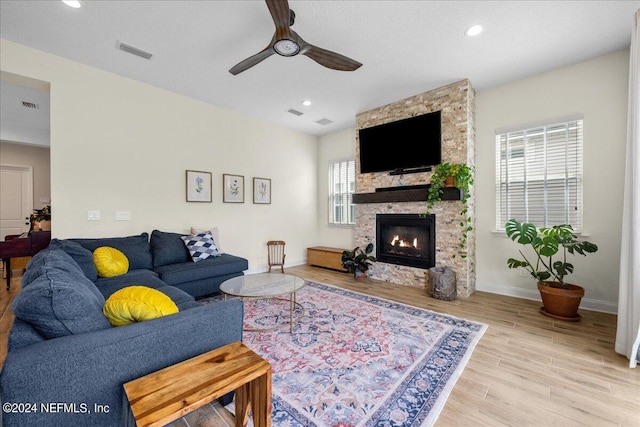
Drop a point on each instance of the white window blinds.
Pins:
(342, 184)
(539, 175)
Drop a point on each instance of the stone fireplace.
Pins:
(457, 104)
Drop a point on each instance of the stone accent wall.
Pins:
(457, 103)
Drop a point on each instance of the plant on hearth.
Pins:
(358, 260)
(457, 175)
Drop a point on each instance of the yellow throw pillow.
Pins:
(137, 304)
(110, 262)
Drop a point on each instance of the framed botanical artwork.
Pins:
(232, 188)
(262, 191)
(198, 186)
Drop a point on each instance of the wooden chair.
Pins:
(275, 250)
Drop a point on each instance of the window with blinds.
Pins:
(342, 184)
(539, 174)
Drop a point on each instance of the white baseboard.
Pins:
(265, 268)
(533, 294)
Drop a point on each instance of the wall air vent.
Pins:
(31, 105)
(295, 112)
(324, 122)
(134, 50)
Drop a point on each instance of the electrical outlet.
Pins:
(523, 272)
(93, 215)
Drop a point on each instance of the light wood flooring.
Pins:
(527, 370)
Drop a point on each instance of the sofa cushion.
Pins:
(137, 304)
(54, 258)
(168, 248)
(109, 285)
(57, 304)
(110, 262)
(178, 296)
(200, 246)
(22, 334)
(82, 256)
(224, 264)
(136, 248)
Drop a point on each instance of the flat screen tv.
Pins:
(402, 145)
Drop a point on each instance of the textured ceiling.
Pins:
(407, 47)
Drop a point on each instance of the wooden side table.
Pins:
(170, 393)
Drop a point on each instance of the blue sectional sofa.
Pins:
(166, 254)
(64, 358)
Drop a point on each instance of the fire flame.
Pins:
(396, 241)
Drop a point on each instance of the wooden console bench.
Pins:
(323, 256)
(170, 393)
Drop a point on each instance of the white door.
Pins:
(16, 199)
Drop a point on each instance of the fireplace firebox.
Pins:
(406, 239)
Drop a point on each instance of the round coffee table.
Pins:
(267, 286)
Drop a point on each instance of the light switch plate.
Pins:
(122, 215)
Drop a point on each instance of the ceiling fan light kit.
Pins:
(286, 47)
(286, 42)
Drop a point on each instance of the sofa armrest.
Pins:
(75, 373)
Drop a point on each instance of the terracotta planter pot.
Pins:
(449, 182)
(561, 303)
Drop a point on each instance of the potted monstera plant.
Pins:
(357, 261)
(547, 262)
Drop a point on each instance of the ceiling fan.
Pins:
(287, 42)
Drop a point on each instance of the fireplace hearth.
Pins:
(406, 239)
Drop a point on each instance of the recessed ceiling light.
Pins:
(72, 3)
(474, 30)
(306, 102)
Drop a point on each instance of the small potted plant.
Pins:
(457, 175)
(41, 218)
(357, 261)
(560, 300)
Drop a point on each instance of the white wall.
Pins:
(598, 88)
(335, 147)
(117, 144)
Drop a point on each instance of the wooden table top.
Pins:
(170, 393)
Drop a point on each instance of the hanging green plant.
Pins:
(460, 175)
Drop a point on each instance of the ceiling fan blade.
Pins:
(252, 60)
(279, 10)
(327, 58)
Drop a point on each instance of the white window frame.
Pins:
(545, 187)
(342, 185)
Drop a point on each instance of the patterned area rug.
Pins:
(357, 360)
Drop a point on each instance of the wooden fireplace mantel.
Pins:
(404, 194)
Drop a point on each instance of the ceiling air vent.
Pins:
(324, 122)
(134, 50)
(295, 112)
(31, 105)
